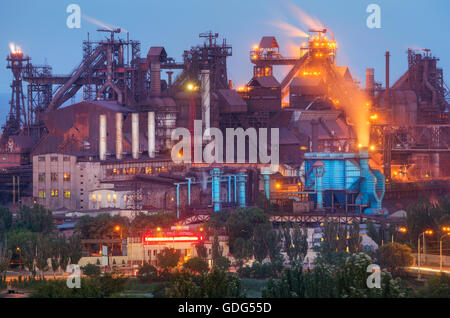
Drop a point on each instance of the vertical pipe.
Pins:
(189, 191)
(135, 135)
(206, 99)
(235, 190)
(386, 96)
(241, 179)
(229, 189)
(178, 200)
(215, 184)
(155, 78)
(318, 174)
(266, 178)
(119, 118)
(102, 139)
(370, 82)
(151, 134)
(315, 135)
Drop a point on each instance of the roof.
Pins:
(231, 97)
(157, 53)
(22, 142)
(268, 42)
(265, 81)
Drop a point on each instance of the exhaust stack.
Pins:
(135, 135)
(151, 134)
(102, 139)
(206, 99)
(119, 119)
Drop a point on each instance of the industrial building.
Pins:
(342, 149)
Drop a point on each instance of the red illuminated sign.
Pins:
(173, 238)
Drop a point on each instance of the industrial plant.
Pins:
(345, 151)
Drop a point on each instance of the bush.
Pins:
(436, 287)
(147, 273)
(222, 263)
(196, 265)
(258, 271)
(394, 257)
(91, 270)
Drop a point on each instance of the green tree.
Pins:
(242, 250)
(35, 219)
(147, 273)
(91, 270)
(168, 258)
(260, 248)
(395, 257)
(222, 263)
(436, 287)
(43, 253)
(5, 220)
(74, 251)
(295, 243)
(217, 250)
(202, 251)
(142, 222)
(196, 265)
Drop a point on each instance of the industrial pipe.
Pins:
(370, 82)
(102, 138)
(241, 179)
(151, 134)
(135, 135)
(119, 118)
(387, 100)
(206, 99)
(215, 188)
(155, 78)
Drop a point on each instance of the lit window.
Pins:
(67, 194)
(54, 176)
(42, 177)
(66, 176)
(54, 192)
(108, 197)
(94, 198)
(54, 158)
(148, 170)
(42, 194)
(114, 197)
(99, 197)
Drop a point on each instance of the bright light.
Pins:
(403, 229)
(372, 147)
(374, 117)
(117, 228)
(15, 49)
(446, 228)
(359, 145)
(429, 232)
(277, 185)
(158, 229)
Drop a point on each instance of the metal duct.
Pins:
(206, 99)
(155, 78)
(387, 80)
(241, 179)
(102, 138)
(135, 135)
(151, 134)
(215, 188)
(370, 81)
(119, 118)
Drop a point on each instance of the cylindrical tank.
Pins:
(119, 137)
(102, 137)
(151, 134)
(135, 135)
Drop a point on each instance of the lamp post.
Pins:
(447, 230)
(428, 232)
(20, 260)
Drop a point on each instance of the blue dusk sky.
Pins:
(39, 28)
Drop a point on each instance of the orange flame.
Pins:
(15, 49)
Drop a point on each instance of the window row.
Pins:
(42, 194)
(53, 158)
(53, 176)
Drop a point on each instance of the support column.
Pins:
(119, 137)
(151, 134)
(318, 173)
(215, 185)
(135, 135)
(102, 138)
(241, 180)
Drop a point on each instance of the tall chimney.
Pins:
(135, 135)
(169, 78)
(102, 139)
(370, 81)
(386, 94)
(151, 134)
(206, 99)
(155, 78)
(119, 118)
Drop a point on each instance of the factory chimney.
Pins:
(155, 78)
(135, 135)
(206, 99)
(386, 94)
(102, 138)
(169, 78)
(370, 82)
(151, 134)
(119, 118)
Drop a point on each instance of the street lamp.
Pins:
(118, 228)
(20, 260)
(447, 230)
(427, 232)
(401, 229)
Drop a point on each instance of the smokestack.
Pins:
(230, 84)
(102, 139)
(119, 118)
(151, 134)
(387, 80)
(135, 135)
(315, 135)
(169, 78)
(206, 99)
(155, 78)
(370, 81)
